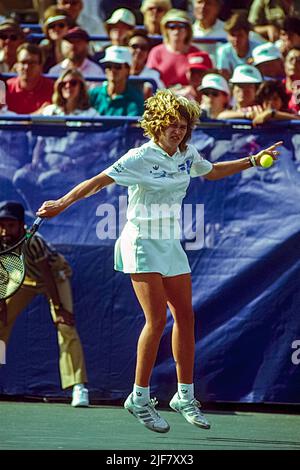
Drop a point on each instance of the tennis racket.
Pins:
(12, 264)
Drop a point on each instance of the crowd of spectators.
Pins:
(224, 55)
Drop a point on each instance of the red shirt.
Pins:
(172, 66)
(26, 102)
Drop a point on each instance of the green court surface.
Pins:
(59, 426)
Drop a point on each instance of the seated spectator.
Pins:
(215, 96)
(74, 9)
(199, 64)
(70, 96)
(55, 26)
(289, 35)
(117, 97)
(273, 99)
(265, 16)
(239, 48)
(267, 58)
(170, 58)
(292, 82)
(208, 24)
(245, 81)
(139, 45)
(75, 50)
(119, 26)
(11, 37)
(29, 91)
(153, 11)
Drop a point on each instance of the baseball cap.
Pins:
(175, 15)
(246, 74)
(123, 15)
(11, 25)
(11, 210)
(54, 19)
(265, 52)
(77, 33)
(199, 60)
(118, 55)
(216, 82)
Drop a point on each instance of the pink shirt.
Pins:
(172, 66)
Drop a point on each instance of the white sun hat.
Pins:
(118, 55)
(124, 15)
(246, 74)
(215, 82)
(265, 52)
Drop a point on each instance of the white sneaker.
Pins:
(80, 397)
(147, 415)
(190, 411)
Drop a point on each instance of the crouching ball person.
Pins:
(48, 273)
(158, 173)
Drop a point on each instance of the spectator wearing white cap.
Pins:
(117, 97)
(119, 26)
(245, 80)
(170, 58)
(199, 64)
(208, 24)
(139, 46)
(153, 11)
(215, 95)
(75, 48)
(268, 59)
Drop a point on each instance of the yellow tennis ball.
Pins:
(266, 160)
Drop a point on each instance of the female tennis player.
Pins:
(149, 249)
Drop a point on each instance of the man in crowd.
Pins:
(117, 97)
(29, 91)
(268, 59)
(75, 48)
(11, 37)
(47, 273)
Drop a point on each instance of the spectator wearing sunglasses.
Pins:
(153, 11)
(11, 37)
(75, 48)
(70, 96)
(117, 97)
(29, 91)
(170, 58)
(139, 45)
(55, 26)
(215, 96)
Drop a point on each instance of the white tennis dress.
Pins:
(157, 184)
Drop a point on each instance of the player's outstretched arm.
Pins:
(223, 169)
(84, 189)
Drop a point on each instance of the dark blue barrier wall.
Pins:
(244, 257)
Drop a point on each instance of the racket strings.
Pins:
(12, 273)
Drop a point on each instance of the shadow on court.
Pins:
(59, 426)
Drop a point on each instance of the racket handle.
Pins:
(38, 222)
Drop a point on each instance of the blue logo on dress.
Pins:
(185, 167)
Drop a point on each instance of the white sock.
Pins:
(78, 386)
(141, 395)
(186, 391)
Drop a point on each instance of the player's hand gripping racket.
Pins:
(12, 266)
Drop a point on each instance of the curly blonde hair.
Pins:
(164, 109)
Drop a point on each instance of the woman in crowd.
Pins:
(55, 26)
(170, 58)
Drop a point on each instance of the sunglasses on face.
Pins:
(11, 37)
(57, 25)
(176, 25)
(71, 83)
(113, 65)
(211, 93)
(142, 47)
